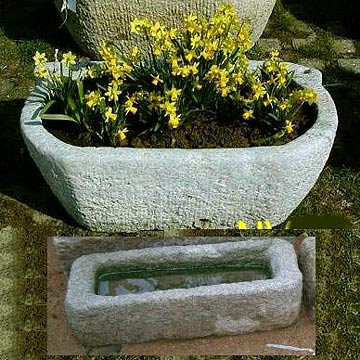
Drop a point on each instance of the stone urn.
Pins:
(132, 189)
(95, 20)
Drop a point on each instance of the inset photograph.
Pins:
(181, 296)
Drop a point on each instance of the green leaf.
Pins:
(71, 103)
(46, 107)
(58, 117)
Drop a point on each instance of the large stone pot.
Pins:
(128, 189)
(95, 20)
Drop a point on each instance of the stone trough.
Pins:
(224, 309)
(135, 189)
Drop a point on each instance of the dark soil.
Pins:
(200, 133)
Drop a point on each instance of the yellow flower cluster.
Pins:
(41, 71)
(203, 67)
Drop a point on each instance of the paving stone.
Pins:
(344, 46)
(350, 65)
(269, 44)
(313, 63)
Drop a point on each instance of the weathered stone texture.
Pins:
(128, 189)
(225, 309)
(110, 19)
(307, 266)
(69, 249)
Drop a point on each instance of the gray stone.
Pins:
(307, 266)
(225, 309)
(352, 65)
(110, 19)
(313, 63)
(131, 189)
(269, 44)
(344, 46)
(70, 248)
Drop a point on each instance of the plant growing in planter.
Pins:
(200, 71)
(191, 79)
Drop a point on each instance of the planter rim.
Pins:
(279, 254)
(304, 76)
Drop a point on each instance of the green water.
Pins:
(139, 282)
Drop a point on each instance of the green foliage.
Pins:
(197, 71)
(282, 20)
(322, 47)
(27, 49)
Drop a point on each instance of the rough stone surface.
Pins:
(269, 44)
(307, 266)
(344, 46)
(69, 249)
(225, 309)
(128, 189)
(99, 19)
(350, 65)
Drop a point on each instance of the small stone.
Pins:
(344, 46)
(269, 44)
(313, 63)
(350, 65)
(308, 269)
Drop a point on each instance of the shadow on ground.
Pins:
(20, 179)
(344, 88)
(34, 20)
(339, 17)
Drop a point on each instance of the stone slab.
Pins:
(341, 46)
(307, 266)
(352, 65)
(269, 44)
(344, 46)
(226, 309)
(313, 63)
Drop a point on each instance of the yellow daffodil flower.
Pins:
(174, 121)
(109, 115)
(40, 59)
(169, 108)
(248, 114)
(173, 93)
(289, 127)
(42, 72)
(129, 106)
(93, 99)
(69, 59)
(91, 72)
(122, 134)
(113, 91)
(156, 80)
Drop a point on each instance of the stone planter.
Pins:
(98, 19)
(127, 189)
(225, 309)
